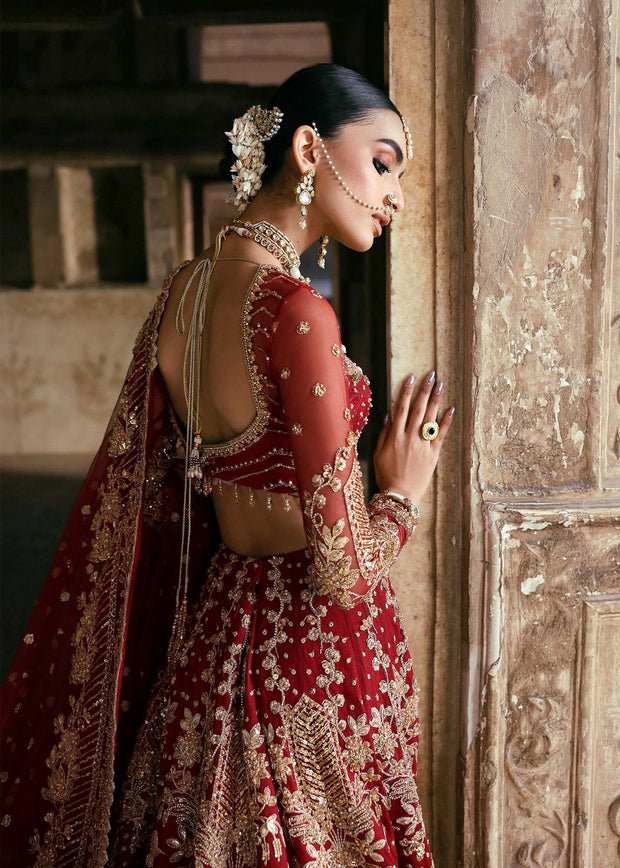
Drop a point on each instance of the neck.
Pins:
(285, 218)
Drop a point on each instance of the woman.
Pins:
(215, 673)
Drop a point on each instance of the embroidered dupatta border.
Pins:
(79, 790)
(104, 618)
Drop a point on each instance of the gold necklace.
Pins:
(274, 241)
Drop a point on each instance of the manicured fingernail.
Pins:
(411, 379)
(387, 419)
(430, 378)
(439, 388)
(451, 411)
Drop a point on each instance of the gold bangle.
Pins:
(414, 512)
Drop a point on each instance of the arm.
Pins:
(352, 546)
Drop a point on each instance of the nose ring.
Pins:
(392, 202)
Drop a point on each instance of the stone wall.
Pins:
(63, 359)
(426, 294)
(544, 568)
(509, 292)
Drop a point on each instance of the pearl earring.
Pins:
(323, 250)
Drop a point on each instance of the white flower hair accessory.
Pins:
(256, 126)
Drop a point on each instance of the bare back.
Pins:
(227, 403)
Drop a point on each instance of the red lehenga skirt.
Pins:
(287, 737)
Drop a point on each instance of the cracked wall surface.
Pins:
(542, 740)
(538, 116)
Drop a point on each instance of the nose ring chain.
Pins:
(391, 197)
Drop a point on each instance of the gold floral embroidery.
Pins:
(188, 748)
(328, 798)
(318, 390)
(285, 373)
(84, 749)
(354, 371)
(331, 572)
(335, 350)
(123, 428)
(303, 327)
(156, 473)
(374, 537)
(315, 774)
(106, 518)
(358, 752)
(296, 429)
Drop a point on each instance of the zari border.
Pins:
(258, 424)
(80, 784)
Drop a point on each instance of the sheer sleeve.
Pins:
(352, 546)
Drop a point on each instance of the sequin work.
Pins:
(289, 733)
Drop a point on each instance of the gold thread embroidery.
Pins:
(331, 572)
(85, 743)
(257, 426)
(303, 327)
(318, 390)
(328, 796)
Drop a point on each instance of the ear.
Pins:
(305, 149)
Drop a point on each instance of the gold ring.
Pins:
(430, 430)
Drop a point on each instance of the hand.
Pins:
(403, 460)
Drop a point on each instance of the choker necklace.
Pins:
(274, 241)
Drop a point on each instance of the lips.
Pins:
(379, 221)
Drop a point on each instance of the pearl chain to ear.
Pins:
(388, 209)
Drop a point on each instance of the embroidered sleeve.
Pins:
(352, 545)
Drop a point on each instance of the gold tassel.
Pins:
(195, 468)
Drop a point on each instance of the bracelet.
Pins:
(414, 512)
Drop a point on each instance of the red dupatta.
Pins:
(78, 686)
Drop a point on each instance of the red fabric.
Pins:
(97, 634)
(287, 733)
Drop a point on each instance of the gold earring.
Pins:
(323, 250)
(304, 194)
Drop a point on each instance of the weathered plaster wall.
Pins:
(544, 568)
(63, 358)
(425, 331)
(536, 116)
(548, 765)
(537, 345)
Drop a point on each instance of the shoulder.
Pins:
(300, 303)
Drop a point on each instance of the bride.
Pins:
(215, 673)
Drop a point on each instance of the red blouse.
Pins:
(312, 403)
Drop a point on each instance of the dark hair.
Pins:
(328, 94)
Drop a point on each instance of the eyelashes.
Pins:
(379, 166)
